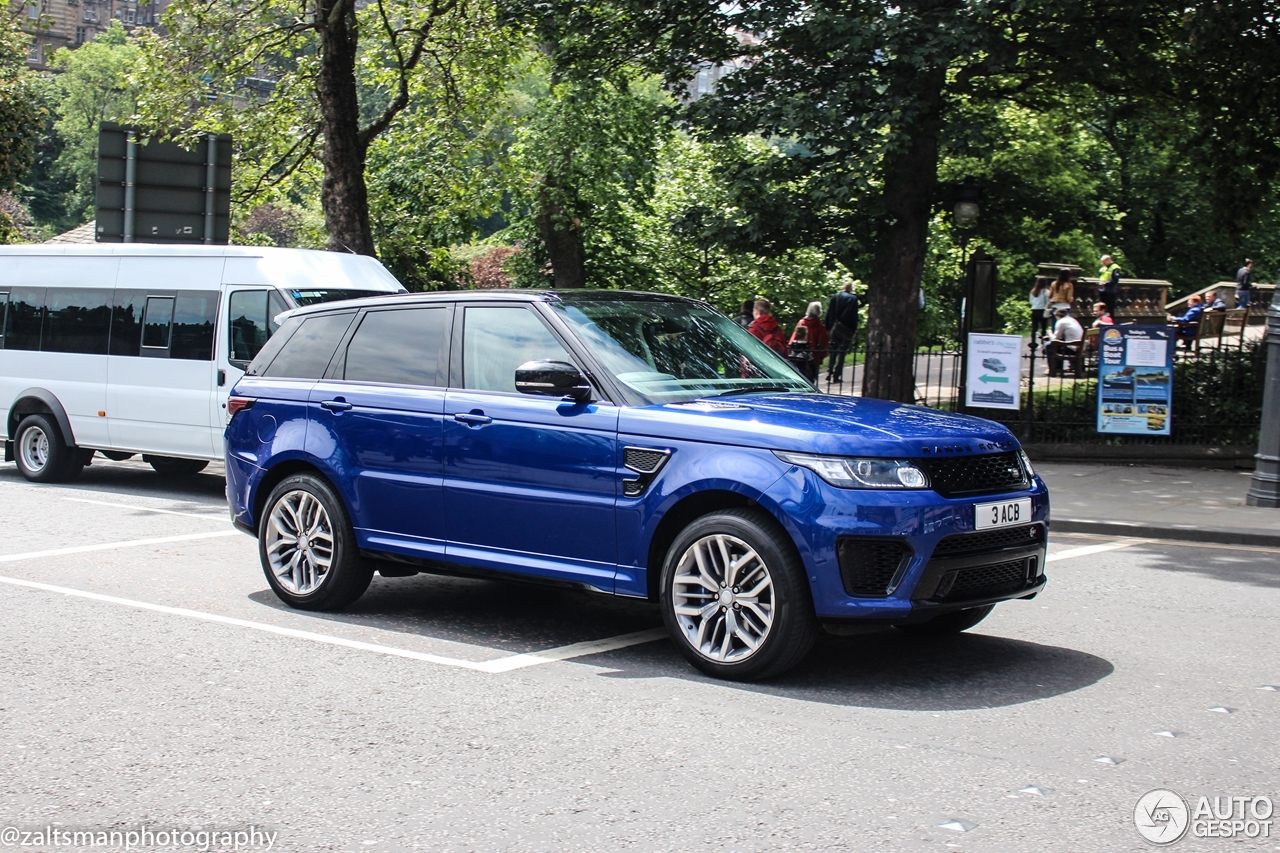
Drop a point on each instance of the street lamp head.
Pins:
(966, 213)
(967, 194)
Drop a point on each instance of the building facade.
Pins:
(54, 24)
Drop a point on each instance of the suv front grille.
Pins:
(868, 565)
(988, 540)
(975, 475)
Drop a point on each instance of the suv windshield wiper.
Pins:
(751, 390)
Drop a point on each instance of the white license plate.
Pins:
(1002, 514)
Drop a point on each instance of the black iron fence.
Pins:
(1217, 393)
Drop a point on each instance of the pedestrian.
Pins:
(817, 335)
(1244, 283)
(801, 355)
(1101, 316)
(842, 327)
(744, 316)
(1066, 340)
(1188, 324)
(1109, 283)
(766, 328)
(1213, 302)
(1062, 293)
(1040, 310)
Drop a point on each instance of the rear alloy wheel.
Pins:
(734, 596)
(41, 454)
(308, 548)
(171, 466)
(948, 623)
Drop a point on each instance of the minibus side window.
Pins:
(76, 320)
(193, 318)
(157, 323)
(252, 322)
(126, 322)
(4, 316)
(25, 316)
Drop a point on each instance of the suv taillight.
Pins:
(235, 404)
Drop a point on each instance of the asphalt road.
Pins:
(159, 682)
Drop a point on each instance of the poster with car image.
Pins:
(993, 371)
(1135, 380)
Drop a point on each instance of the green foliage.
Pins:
(94, 87)
(22, 107)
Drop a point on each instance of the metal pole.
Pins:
(1264, 488)
(210, 185)
(130, 181)
(1031, 393)
(966, 306)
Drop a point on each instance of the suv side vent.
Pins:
(870, 566)
(645, 461)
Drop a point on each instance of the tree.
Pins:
(867, 91)
(306, 83)
(22, 107)
(94, 87)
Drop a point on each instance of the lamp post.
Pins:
(1264, 488)
(966, 197)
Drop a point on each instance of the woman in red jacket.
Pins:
(819, 340)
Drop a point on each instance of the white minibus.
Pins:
(128, 349)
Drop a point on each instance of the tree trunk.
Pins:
(911, 177)
(344, 196)
(562, 235)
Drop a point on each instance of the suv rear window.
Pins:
(405, 347)
(307, 353)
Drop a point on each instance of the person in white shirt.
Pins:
(1065, 343)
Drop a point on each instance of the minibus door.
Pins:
(248, 314)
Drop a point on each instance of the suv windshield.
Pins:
(311, 297)
(672, 352)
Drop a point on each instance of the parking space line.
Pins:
(118, 504)
(1086, 550)
(500, 665)
(108, 546)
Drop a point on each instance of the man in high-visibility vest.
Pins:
(1109, 283)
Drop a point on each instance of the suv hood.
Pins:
(818, 423)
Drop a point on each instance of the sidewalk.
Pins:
(1195, 504)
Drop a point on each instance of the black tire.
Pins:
(171, 466)
(783, 642)
(347, 575)
(949, 623)
(43, 456)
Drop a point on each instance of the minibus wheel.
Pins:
(41, 453)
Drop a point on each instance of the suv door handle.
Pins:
(338, 405)
(473, 418)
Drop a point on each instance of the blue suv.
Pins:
(635, 444)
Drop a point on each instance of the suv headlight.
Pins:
(848, 472)
(1026, 462)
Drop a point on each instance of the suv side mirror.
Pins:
(552, 379)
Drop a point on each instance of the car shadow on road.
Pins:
(894, 671)
(1257, 568)
(139, 479)
(506, 616)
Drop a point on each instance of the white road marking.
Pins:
(505, 664)
(1086, 550)
(122, 505)
(132, 543)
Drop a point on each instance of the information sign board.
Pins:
(1135, 379)
(993, 371)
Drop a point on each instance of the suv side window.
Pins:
(402, 346)
(499, 338)
(306, 355)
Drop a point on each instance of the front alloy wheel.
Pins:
(735, 598)
(299, 542)
(723, 598)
